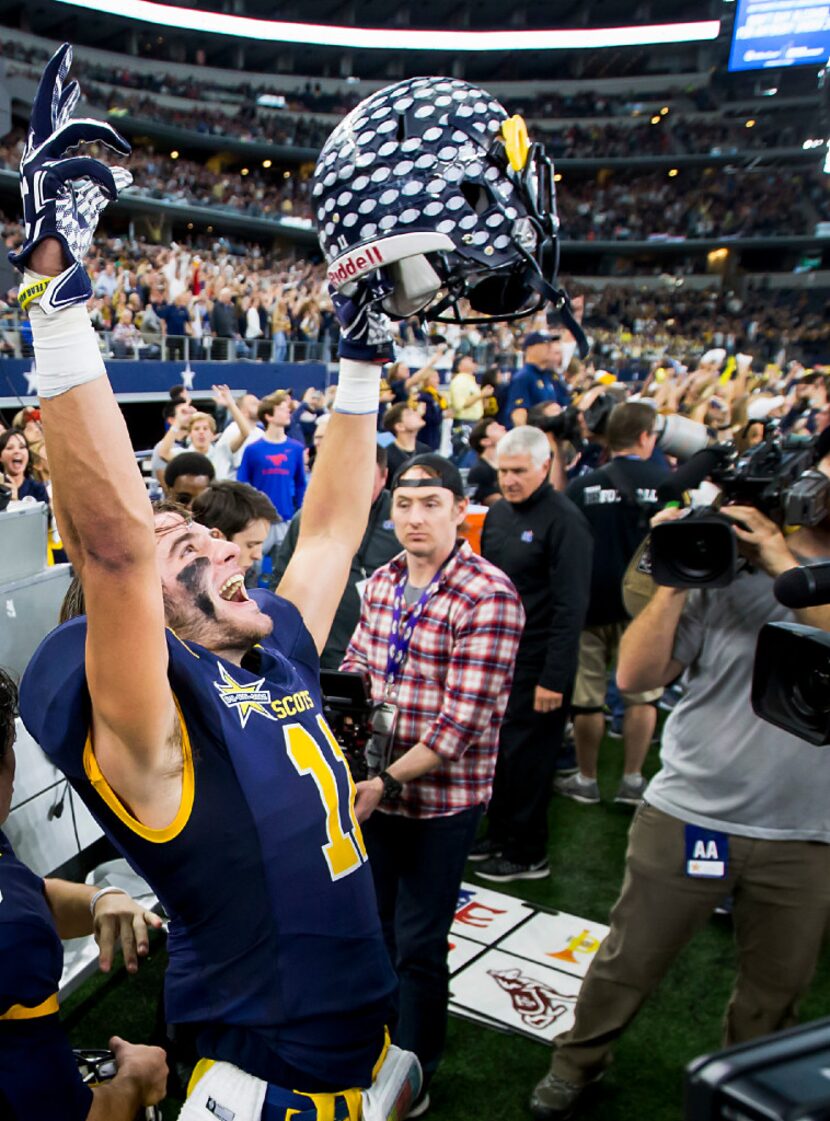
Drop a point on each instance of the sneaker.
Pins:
(504, 871)
(483, 849)
(553, 1098)
(614, 731)
(581, 790)
(420, 1105)
(631, 790)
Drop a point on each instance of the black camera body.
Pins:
(568, 427)
(791, 680)
(781, 1077)
(565, 427)
(778, 478)
(348, 708)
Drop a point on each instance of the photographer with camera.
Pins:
(738, 807)
(617, 500)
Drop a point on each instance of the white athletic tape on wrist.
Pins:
(358, 387)
(66, 347)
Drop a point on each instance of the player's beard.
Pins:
(191, 611)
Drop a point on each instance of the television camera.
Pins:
(778, 477)
(363, 729)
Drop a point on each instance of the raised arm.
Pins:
(100, 499)
(169, 441)
(223, 396)
(645, 660)
(336, 506)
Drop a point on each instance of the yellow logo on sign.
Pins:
(583, 943)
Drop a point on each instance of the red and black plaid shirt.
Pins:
(453, 687)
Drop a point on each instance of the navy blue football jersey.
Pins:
(276, 952)
(39, 1078)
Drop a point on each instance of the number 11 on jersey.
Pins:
(344, 850)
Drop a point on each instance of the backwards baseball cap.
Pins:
(446, 474)
(536, 337)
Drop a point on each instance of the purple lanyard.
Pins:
(400, 637)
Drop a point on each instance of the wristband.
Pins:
(65, 343)
(103, 891)
(358, 388)
(32, 292)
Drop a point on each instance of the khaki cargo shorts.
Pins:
(598, 648)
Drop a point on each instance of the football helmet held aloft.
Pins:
(432, 181)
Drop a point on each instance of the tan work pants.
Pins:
(781, 895)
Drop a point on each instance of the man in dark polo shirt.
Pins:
(537, 381)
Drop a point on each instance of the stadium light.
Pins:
(403, 39)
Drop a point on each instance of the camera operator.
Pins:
(739, 807)
(617, 500)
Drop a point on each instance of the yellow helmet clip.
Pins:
(516, 141)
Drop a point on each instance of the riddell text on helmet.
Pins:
(368, 258)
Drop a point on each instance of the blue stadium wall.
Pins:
(153, 379)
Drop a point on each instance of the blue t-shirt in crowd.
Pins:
(277, 470)
(175, 317)
(532, 385)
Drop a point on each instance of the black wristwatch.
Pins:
(391, 786)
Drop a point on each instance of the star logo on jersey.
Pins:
(244, 698)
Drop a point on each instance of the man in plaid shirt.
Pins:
(438, 634)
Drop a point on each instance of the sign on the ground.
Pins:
(515, 967)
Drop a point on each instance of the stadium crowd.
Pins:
(688, 204)
(146, 293)
(454, 523)
(661, 133)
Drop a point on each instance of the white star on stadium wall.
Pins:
(31, 381)
(187, 377)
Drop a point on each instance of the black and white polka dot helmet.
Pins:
(431, 180)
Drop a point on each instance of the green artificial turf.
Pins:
(488, 1074)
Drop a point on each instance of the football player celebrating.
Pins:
(188, 714)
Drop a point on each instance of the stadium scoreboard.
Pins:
(773, 33)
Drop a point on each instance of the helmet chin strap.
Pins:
(562, 306)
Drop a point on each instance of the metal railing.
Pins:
(16, 342)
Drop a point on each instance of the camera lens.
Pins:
(811, 692)
(701, 553)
